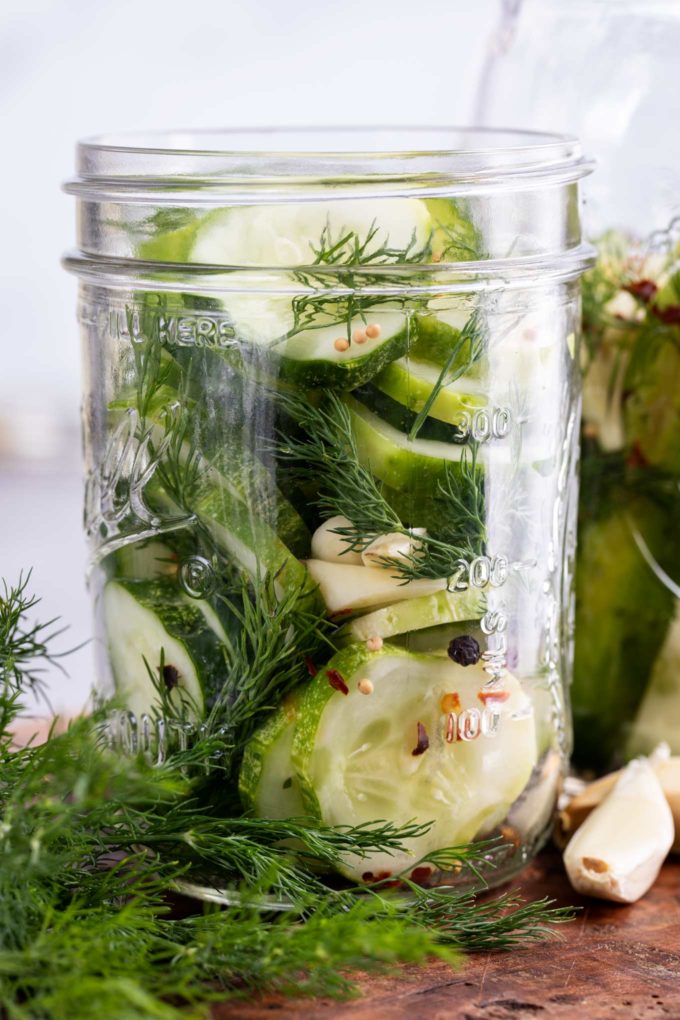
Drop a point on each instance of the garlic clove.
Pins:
(394, 546)
(580, 806)
(617, 852)
(330, 547)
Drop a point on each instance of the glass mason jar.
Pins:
(611, 77)
(331, 415)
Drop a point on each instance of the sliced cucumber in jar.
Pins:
(287, 236)
(410, 382)
(161, 644)
(415, 614)
(439, 336)
(436, 640)
(267, 782)
(418, 465)
(397, 736)
(400, 417)
(343, 355)
(247, 540)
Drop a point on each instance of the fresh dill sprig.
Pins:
(278, 631)
(25, 649)
(99, 840)
(504, 922)
(461, 534)
(328, 454)
(347, 253)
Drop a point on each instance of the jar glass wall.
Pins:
(608, 70)
(331, 413)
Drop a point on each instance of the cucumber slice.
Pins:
(436, 640)
(410, 382)
(248, 540)
(428, 611)
(311, 360)
(346, 587)
(144, 619)
(286, 235)
(245, 477)
(354, 755)
(417, 465)
(400, 417)
(438, 335)
(267, 782)
(290, 235)
(455, 237)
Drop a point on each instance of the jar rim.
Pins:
(245, 158)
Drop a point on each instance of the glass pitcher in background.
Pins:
(607, 70)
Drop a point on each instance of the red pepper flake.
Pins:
(423, 741)
(670, 315)
(367, 876)
(636, 458)
(450, 702)
(421, 875)
(485, 696)
(644, 290)
(311, 668)
(342, 612)
(337, 682)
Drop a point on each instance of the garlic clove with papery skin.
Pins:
(617, 852)
(394, 546)
(589, 795)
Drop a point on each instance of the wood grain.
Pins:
(613, 963)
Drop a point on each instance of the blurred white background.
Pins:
(71, 68)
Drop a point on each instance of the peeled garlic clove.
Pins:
(328, 546)
(617, 853)
(394, 546)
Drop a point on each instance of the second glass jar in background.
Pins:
(331, 422)
(611, 77)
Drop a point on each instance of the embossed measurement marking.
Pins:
(485, 423)
(479, 572)
(472, 723)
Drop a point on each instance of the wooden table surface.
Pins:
(613, 963)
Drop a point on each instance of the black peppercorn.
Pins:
(465, 650)
(170, 677)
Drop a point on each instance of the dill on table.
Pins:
(93, 843)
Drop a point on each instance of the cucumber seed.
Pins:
(360, 336)
(374, 643)
(373, 331)
(341, 344)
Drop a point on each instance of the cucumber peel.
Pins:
(267, 783)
